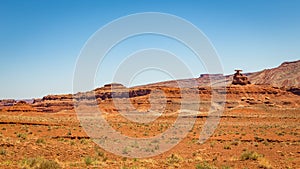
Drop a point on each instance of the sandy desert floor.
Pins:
(257, 136)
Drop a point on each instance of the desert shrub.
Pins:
(84, 141)
(2, 152)
(250, 155)
(88, 160)
(212, 144)
(125, 150)
(227, 147)
(104, 158)
(72, 142)
(39, 163)
(204, 165)
(259, 139)
(48, 164)
(266, 143)
(280, 133)
(226, 167)
(22, 136)
(235, 142)
(174, 158)
(40, 141)
(100, 153)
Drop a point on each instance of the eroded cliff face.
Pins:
(144, 97)
(54, 103)
(272, 87)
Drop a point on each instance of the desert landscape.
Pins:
(259, 127)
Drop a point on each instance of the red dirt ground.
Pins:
(262, 127)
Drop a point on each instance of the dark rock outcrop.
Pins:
(294, 90)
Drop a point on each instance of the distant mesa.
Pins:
(211, 75)
(239, 78)
(114, 85)
(7, 102)
(111, 86)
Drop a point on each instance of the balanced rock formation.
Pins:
(240, 79)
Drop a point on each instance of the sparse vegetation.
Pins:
(84, 141)
(40, 141)
(205, 165)
(226, 167)
(258, 139)
(280, 133)
(227, 147)
(3, 152)
(235, 142)
(22, 136)
(174, 158)
(100, 153)
(39, 163)
(88, 160)
(72, 142)
(69, 133)
(250, 155)
(125, 150)
(266, 143)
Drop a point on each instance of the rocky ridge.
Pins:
(271, 87)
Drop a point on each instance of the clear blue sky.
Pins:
(41, 39)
